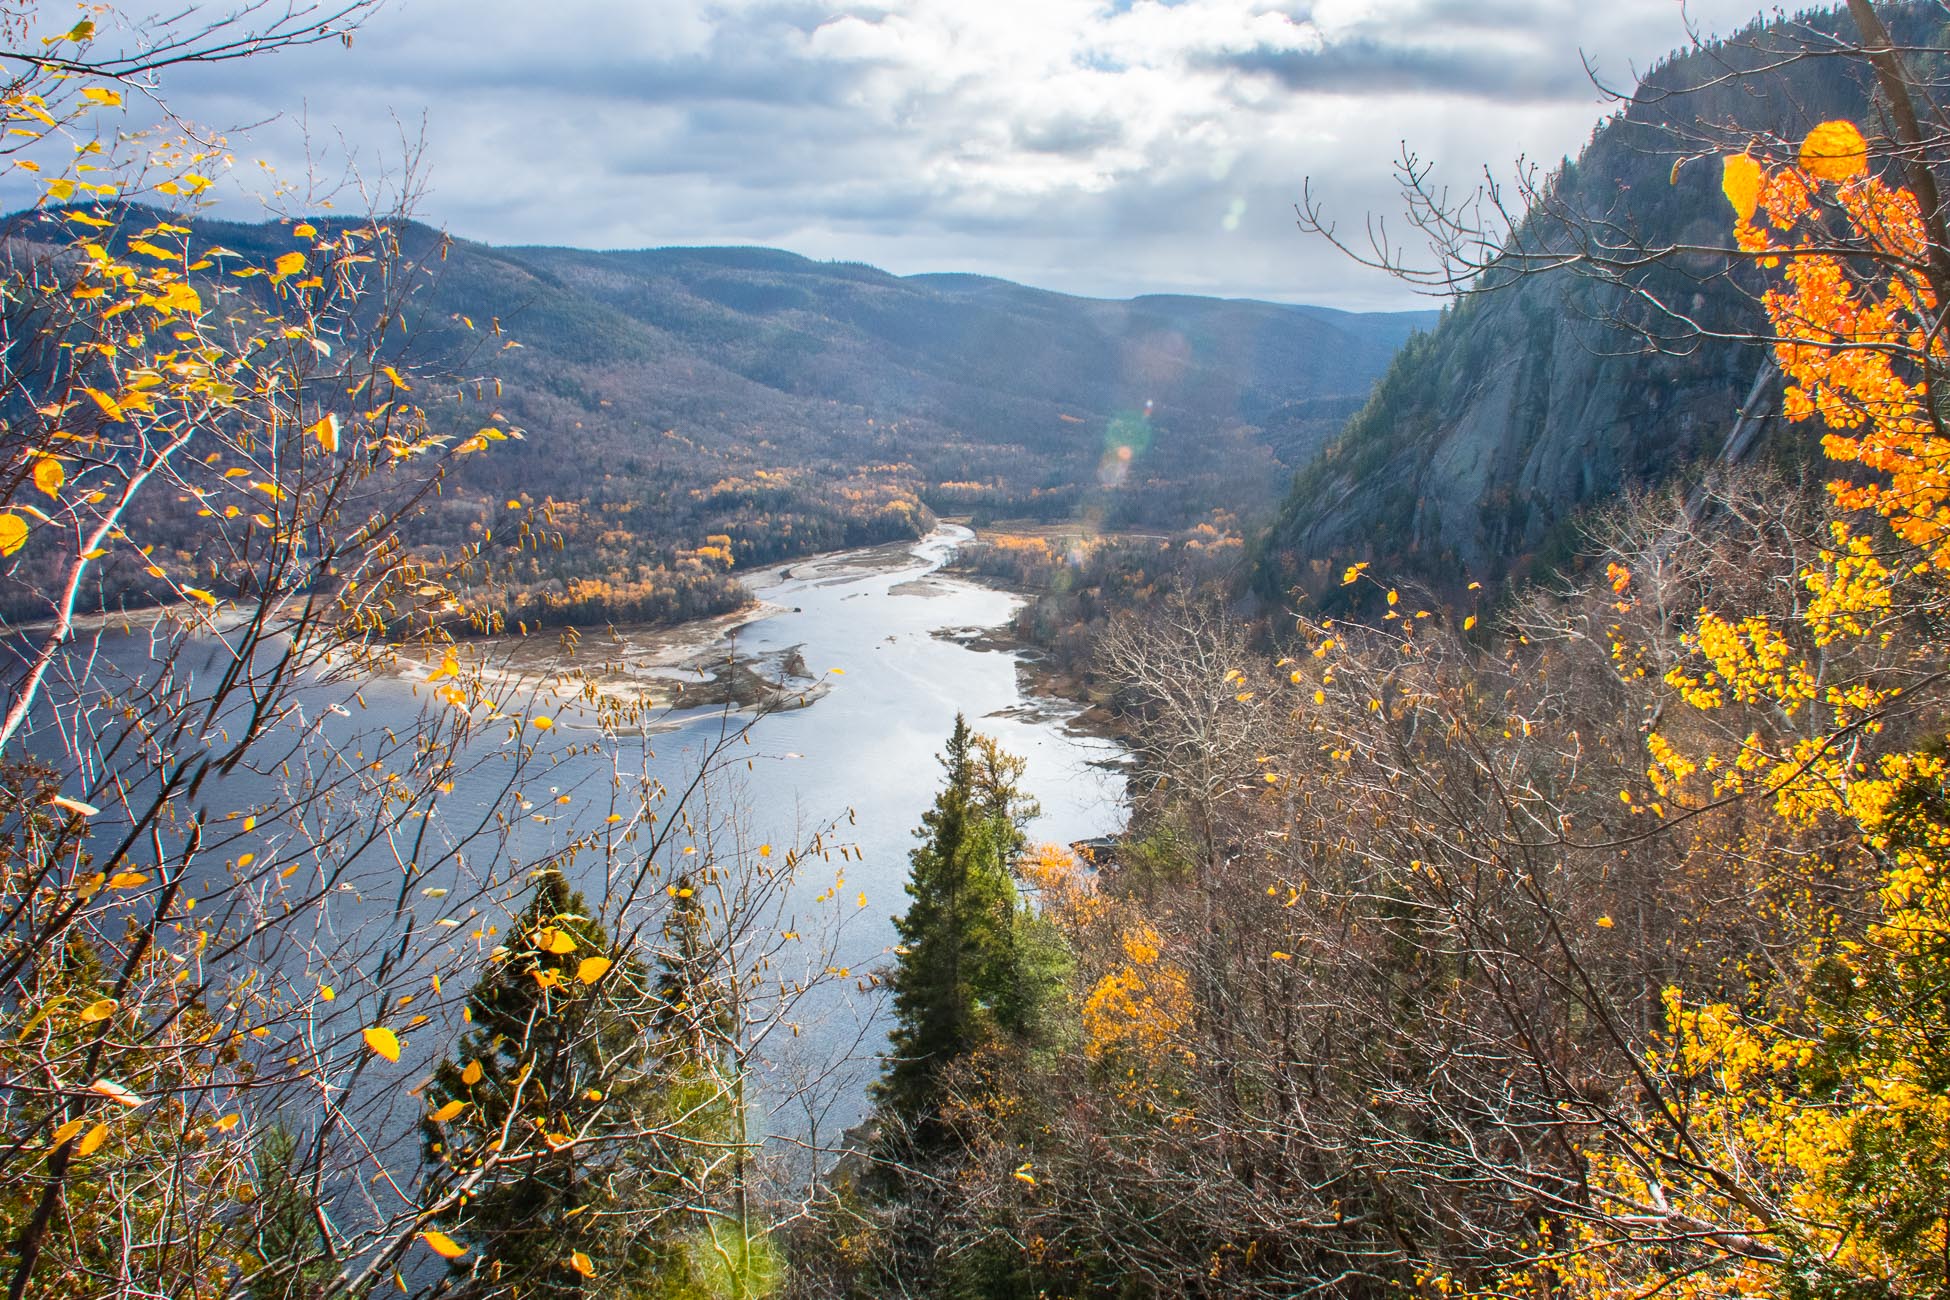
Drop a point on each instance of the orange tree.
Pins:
(1799, 1142)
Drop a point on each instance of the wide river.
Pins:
(860, 754)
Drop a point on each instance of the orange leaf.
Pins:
(1835, 151)
(1740, 181)
(49, 476)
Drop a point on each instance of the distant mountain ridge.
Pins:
(672, 396)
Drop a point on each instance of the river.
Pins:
(882, 642)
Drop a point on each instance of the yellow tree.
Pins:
(1799, 1144)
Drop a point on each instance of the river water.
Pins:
(885, 678)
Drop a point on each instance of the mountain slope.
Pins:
(1532, 401)
(689, 412)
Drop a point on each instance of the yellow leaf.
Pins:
(327, 992)
(472, 1074)
(550, 939)
(197, 593)
(580, 1263)
(384, 1042)
(1394, 596)
(543, 724)
(1353, 572)
(303, 230)
(96, 1011)
(126, 879)
(1023, 1173)
(89, 1145)
(101, 95)
(1740, 180)
(67, 1131)
(448, 1111)
(1835, 151)
(1469, 622)
(591, 969)
(327, 432)
(1604, 923)
(288, 265)
(227, 1123)
(765, 850)
(108, 405)
(13, 533)
(443, 1245)
(49, 476)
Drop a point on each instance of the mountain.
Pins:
(689, 410)
(978, 394)
(1547, 392)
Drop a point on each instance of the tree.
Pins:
(560, 1035)
(959, 978)
(232, 896)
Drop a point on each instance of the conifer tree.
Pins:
(532, 1066)
(605, 1075)
(959, 980)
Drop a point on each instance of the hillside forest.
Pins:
(1537, 878)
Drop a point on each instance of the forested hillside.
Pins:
(685, 413)
(1552, 389)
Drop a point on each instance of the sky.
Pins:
(1100, 147)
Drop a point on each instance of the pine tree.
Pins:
(959, 979)
(529, 1072)
(606, 1076)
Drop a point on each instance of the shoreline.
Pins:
(673, 668)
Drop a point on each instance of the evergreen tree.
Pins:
(960, 979)
(606, 1077)
(521, 1081)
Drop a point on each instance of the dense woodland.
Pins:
(1585, 937)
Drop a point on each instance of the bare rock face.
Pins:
(1490, 436)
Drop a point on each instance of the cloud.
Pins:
(1098, 147)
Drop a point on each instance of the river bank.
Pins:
(711, 663)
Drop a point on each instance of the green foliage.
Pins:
(289, 1249)
(963, 975)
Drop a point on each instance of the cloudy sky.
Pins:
(1105, 147)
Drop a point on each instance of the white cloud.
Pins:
(1102, 147)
